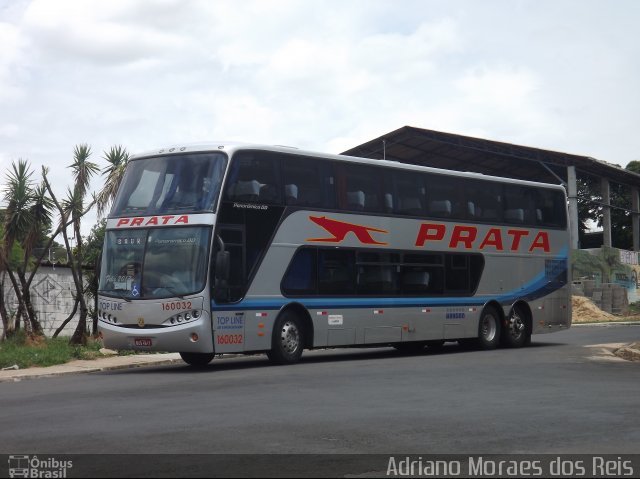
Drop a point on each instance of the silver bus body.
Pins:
(521, 265)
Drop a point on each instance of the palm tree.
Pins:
(15, 223)
(73, 208)
(83, 170)
(71, 211)
(117, 158)
(28, 209)
(13, 259)
(40, 214)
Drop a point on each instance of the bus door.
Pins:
(229, 326)
(233, 237)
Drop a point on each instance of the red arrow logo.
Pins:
(340, 229)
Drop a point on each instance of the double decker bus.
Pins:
(229, 248)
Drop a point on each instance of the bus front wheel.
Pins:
(197, 359)
(287, 342)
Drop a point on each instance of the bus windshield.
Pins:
(155, 263)
(170, 184)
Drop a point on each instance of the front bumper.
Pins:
(178, 338)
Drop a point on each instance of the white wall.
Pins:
(52, 292)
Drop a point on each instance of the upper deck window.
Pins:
(185, 183)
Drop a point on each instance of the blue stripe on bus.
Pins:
(538, 287)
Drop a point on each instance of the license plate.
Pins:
(144, 342)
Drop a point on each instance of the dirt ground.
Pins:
(585, 311)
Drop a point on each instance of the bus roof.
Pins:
(230, 147)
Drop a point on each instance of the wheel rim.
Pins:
(516, 326)
(488, 327)
(290, 337)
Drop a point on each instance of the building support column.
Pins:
(572, 193)
(606, 211)
(635, 218)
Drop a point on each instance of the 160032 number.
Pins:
(176, 305)
(230, 339)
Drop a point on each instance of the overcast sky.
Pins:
(323, 75)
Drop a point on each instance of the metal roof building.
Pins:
(456, 152)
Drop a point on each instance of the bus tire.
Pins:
(287, 342)
(197, 360)
(516, 332)
(489, 329)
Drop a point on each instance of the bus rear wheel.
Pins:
(287, 342)
(489, 329)
(197, 359)
(516, 332)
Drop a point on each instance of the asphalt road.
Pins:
(552, 397)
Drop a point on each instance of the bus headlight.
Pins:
(182, 318)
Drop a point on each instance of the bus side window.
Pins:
(336, 272)
(549, 208)
(518, 205)
(290, 194)
(301, 276)
(307, 182)
(377, 279)
(445, 197)
(415, 280)
(245, 191)
(409, 192)
(422, 273)
(355, 200)
(483, 200)
(254, 178)
(440, 208)
(361, 188)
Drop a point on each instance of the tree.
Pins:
(621, 229)
(28, 209)
(117, 158)
(28, 217)
(591, 209)
(589, 204)
(92, 257)
(71, 211)
(8, 319)
(633, 166)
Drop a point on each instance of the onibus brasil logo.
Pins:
(32, 466)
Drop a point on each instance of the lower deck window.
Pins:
(340, 272)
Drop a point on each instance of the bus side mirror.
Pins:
(221, 286)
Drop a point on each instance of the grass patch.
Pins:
(43, 351)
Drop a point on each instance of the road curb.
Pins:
(91, 366)
(107, 363)
(607, 323)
